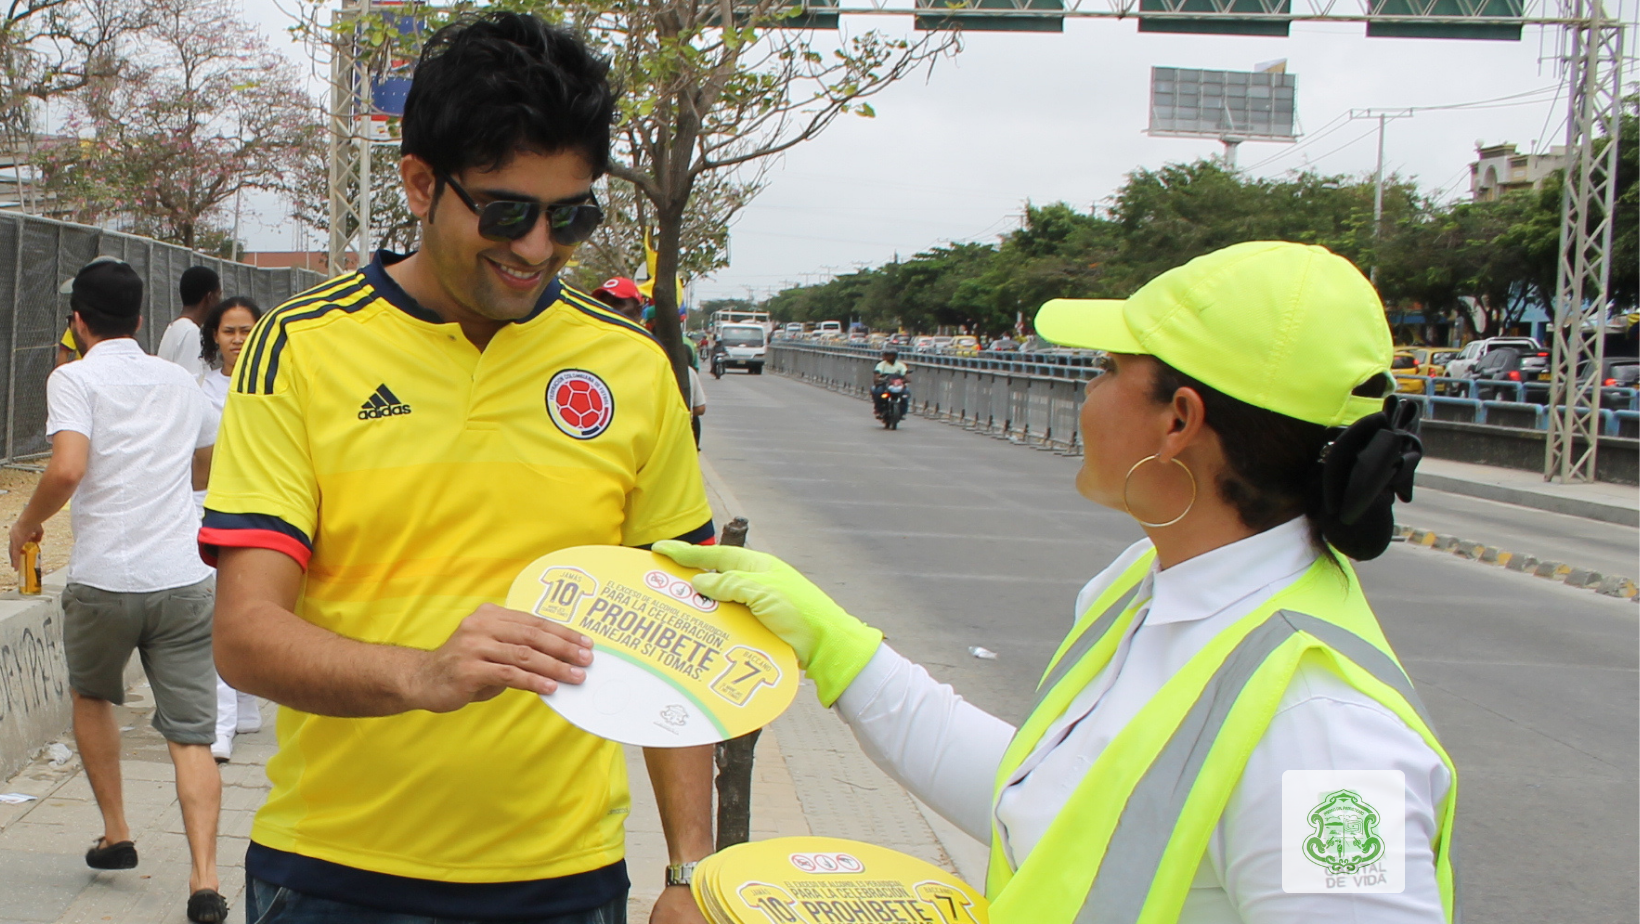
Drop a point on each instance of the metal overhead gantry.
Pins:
(1592, 57)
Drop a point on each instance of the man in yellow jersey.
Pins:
(398, 444)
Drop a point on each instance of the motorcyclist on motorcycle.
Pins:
(717, 354)
(890, 366)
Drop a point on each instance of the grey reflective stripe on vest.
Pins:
(1134, 854)
(1083, 644)
(1370, 657)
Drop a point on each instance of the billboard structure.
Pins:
(1228, 106)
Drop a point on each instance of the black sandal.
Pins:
(207, 906)
(111, 856)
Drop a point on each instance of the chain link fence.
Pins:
(38, 254)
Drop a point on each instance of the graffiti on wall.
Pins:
(33, 670)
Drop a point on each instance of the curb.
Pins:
(1522, 497)
(1587, 579)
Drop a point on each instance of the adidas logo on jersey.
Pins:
(382, 404)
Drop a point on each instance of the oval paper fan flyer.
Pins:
(827, 880)
(670, 668)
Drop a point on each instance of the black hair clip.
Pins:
(1368, 459)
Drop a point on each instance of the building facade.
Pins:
(1500, 169)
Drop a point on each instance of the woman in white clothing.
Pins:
(222, 337)
(1225, 735)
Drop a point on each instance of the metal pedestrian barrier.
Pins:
(1537, 393)
(1025, 400)
(38, 254)
(1036, 398)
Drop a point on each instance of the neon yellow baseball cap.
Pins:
(1292, 328)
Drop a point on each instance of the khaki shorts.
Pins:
(171, 629)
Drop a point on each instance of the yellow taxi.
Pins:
(1410, 361)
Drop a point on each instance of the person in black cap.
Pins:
(131, 436)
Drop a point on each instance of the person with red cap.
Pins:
(621, 294)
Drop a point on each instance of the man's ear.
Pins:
(420, 186)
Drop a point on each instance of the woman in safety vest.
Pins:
(1225, 735)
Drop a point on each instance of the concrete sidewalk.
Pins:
(810, 778)
(1611, 503)
(43, 876)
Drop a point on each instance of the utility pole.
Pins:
(1383, 116)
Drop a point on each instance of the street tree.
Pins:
(200, 111)
(51, 48)
(1446, 261)
(617, 248)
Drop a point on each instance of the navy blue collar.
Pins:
(387, 287)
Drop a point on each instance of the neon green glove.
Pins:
(832, 646)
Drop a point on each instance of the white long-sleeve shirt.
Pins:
(947, 751)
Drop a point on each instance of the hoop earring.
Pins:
(1129, 479)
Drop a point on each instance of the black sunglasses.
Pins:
(511, 219)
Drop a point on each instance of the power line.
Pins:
(1500, 102)
(1487, 103)
(1367, 134)
(1341, 121)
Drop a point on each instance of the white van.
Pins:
(744, 346)
(829, 330)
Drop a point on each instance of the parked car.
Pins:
(1622, 374)
(1507, 364)
(922, 344)
(964, 346)
(1459, 366)
(1003, 345)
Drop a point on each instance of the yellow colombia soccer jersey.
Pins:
(414, 476)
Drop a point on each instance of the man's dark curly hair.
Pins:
(494, 85)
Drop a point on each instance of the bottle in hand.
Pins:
(31, 568)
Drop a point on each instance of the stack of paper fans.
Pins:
(828, 880)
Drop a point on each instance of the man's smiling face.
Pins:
(496, 280)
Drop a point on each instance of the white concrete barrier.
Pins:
(34, 703)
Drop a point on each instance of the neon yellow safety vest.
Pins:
(1127, 844)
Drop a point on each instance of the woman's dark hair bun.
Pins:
(1363, 468)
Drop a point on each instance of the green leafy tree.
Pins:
(1425, 255)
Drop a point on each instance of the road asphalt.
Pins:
(949, 540)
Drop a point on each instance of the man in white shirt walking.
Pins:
(130, 434)
(201, 289)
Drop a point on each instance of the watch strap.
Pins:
(680, 874)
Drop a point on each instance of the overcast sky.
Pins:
(1049, 117)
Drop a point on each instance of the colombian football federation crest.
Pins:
(580, 403)
(1345, 836)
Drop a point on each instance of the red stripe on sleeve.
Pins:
(211, 539)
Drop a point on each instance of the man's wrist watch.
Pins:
(680, 874)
